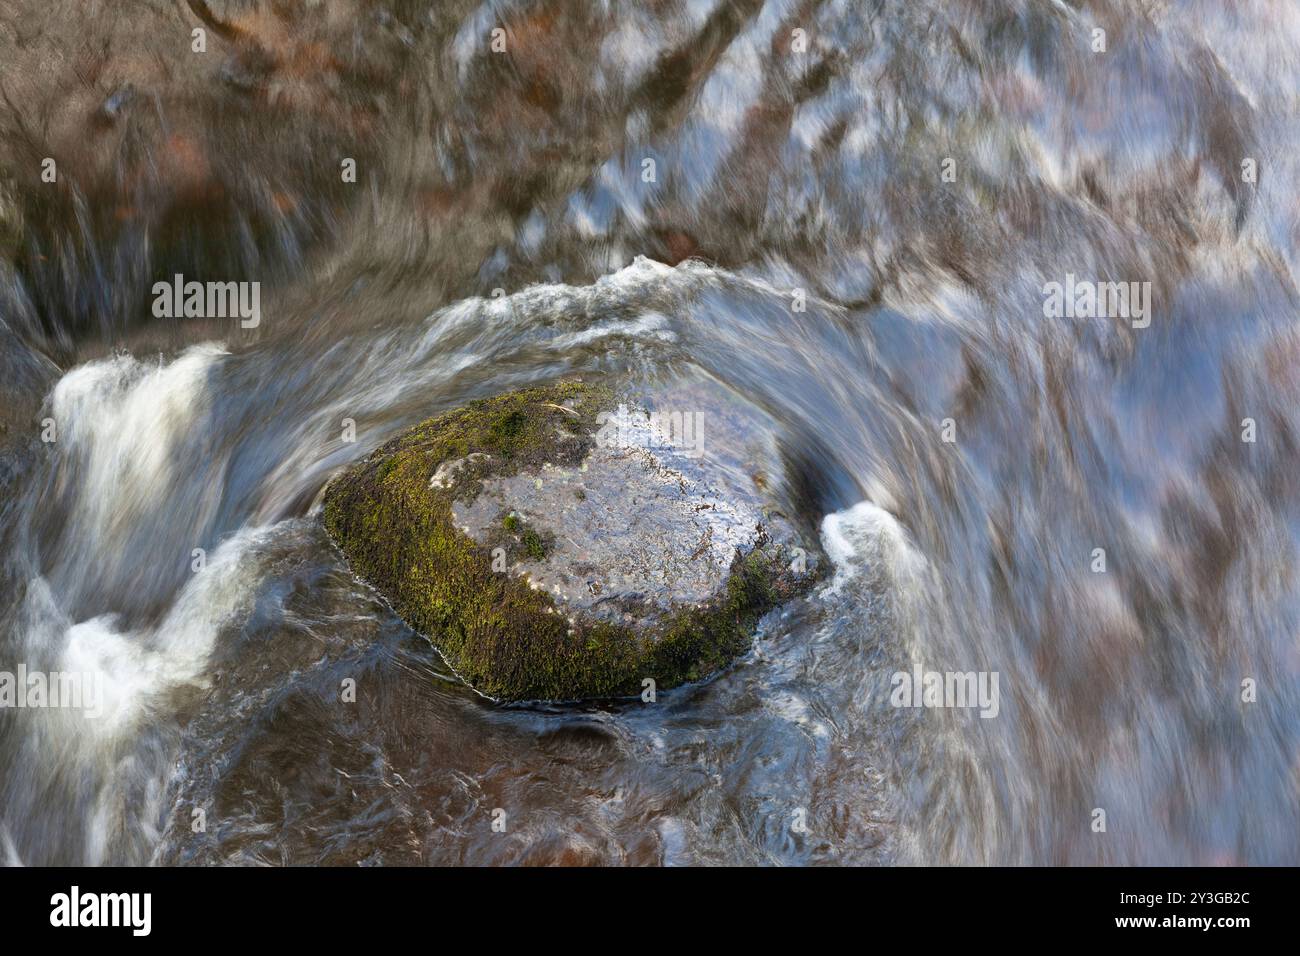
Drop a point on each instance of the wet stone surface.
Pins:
(645, 523)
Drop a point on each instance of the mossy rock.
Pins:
(549, 562)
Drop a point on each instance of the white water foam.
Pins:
(122, 420)
(122, 768)
(867, 536)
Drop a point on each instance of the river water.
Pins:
(963, 454)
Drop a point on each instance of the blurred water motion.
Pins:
(652, 186)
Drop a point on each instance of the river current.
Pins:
(847, 213)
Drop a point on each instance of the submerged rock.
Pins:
(555, 544)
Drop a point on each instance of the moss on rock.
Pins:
(391, 515)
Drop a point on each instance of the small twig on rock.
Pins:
(560, 408)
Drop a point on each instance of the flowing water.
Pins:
(962, 454)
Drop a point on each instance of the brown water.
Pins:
(777, 167)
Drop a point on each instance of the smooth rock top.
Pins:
(632, 532)
(557, 543)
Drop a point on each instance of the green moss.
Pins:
(524, 541)
(507, 429)
(533, 545)
(506, 639)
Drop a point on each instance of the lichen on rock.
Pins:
(546, 563)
